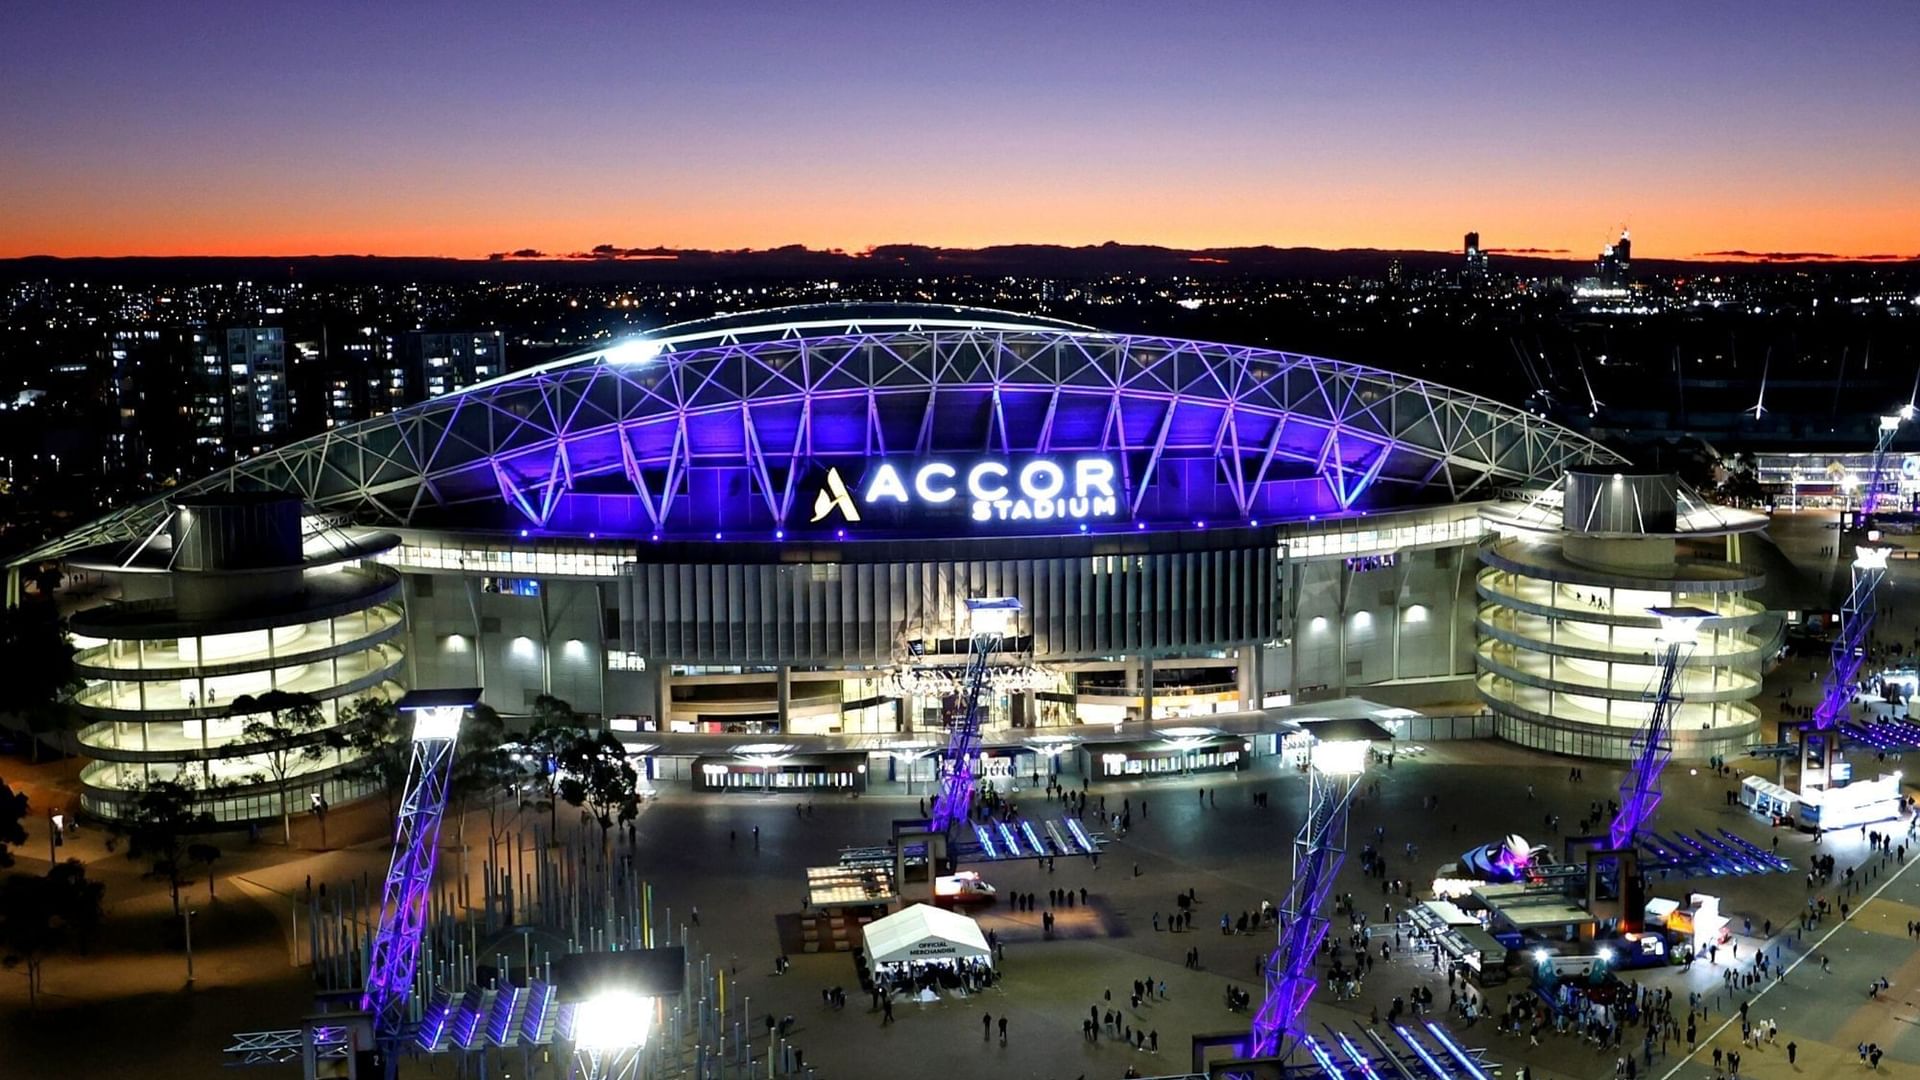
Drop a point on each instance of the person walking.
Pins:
(886, 1011)
(1003, 1031)
(1793, 1051)
(986, 1027)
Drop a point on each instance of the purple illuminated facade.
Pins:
(769, 524)
(728, 432)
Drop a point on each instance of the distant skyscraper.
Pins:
(444, 362)
(1616, 262)
(169, 389)
(1476, 256)
(367, 376)
(259, 409)
(1395, 272)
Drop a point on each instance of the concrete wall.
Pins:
(1413, 620)
(515, 647)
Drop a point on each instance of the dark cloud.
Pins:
(605, 252)
(523, 253)
(1771, 256)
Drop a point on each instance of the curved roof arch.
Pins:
(652, 421)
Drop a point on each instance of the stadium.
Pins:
(745, 545)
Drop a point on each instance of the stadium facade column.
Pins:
(1146, 690)
(663, 696)
(783, 692)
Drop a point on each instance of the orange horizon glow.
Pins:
(271, 130)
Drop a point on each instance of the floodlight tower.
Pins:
(608, 1032)
(436, 716)
(1889, 427)
(1857, 613)
(1318, 850)
(989, 619)
(1850, 644)
(1640, 791)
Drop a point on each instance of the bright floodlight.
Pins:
(1868, 558)
(636, 350)
(1540, 956)
(992, 614)
(1906, 411)
(1892, 423)
(1340, 758)
(615, 1020)
(1680, 624)
(440, 722)
(1606, 954)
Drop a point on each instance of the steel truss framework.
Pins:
(639, 420)
(1849, 648)
(403, 903)
(1640, 791)
(955, 803)
(1318, 850)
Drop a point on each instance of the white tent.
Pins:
(925, 932)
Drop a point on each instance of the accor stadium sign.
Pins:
(989, 489)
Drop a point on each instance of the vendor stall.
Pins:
(1768, 799)
(1177, 751)
(923, 948)
(780, 767)
(1856, 802)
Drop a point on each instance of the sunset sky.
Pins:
(409, 128)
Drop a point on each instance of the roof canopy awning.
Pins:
(923, 932)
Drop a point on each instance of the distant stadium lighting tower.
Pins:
(633, 350)
(1318, 849)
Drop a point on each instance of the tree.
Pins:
(206, 855)
(290, 730)
(40, 915)
(384, 750)
(13, 812)
(163, 817)
(597, 777)
(556, 727)
(41, 680)
(485, 768)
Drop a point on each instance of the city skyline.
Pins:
(288, 131)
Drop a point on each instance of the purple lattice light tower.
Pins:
(436, 717)
(990, 618)
(1318, 850)
(1640, 791)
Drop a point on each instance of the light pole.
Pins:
(186, 920)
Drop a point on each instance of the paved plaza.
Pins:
(1231, 853)
(1203, 833)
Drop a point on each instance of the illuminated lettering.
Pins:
(979, 490)
(1091, 475)
(1041, 480)
(997, 489)
(926, 490)
(885, 484)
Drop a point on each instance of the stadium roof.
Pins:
(766, 396)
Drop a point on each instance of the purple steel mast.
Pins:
(990, 619)
(1318, 850)
(1856, 615)
(436, 718)
(1640, 791)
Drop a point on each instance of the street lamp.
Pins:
(186, 920)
